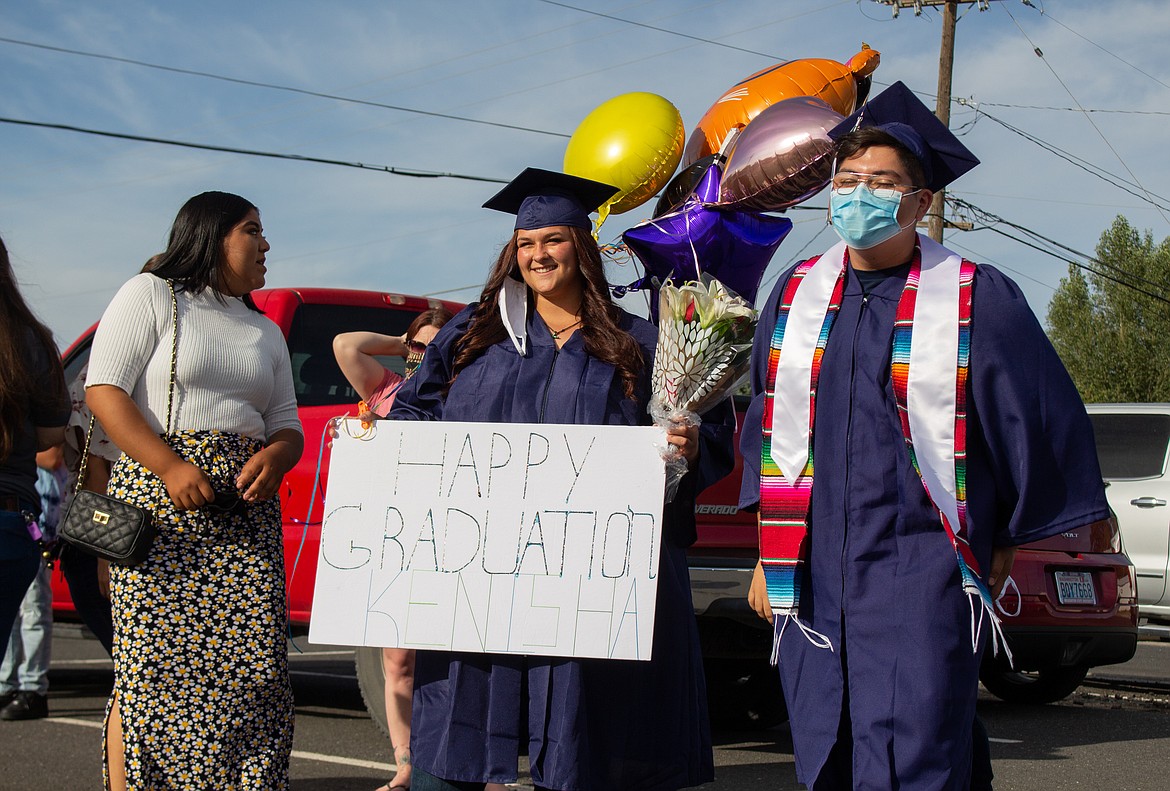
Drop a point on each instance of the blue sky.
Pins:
(81, 213)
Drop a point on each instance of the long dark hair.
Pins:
(194, 255)
(603, 338)
(431, 317)
(18, 382)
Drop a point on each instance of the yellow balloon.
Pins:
(634, 142)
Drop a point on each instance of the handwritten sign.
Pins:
(491, 538)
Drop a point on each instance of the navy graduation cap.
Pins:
(540, 198)
(899, 113)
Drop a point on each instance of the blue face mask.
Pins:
(862, 219)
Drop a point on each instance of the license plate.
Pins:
(1075, 587)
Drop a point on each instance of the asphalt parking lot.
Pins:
(1102, 736)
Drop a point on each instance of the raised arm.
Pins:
(355, 353)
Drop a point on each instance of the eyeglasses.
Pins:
(845, 182)
(414, 347)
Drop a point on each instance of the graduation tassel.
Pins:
(979, 596)
(814, 637)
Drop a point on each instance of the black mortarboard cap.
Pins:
(898, 112)
(540, 198)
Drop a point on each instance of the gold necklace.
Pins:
(556, 334)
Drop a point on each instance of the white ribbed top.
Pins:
(233, 372)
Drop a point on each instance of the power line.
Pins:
(452, 290)
(465, 119)
(1046, 15)
(1122, 277)
(396, 171)
(662, 30)
(275, 87)
(1064, 109)
(974, 255)
(1084, 165)
(1088, 118)
(1104, 275)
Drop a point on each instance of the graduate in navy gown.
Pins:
(910, 477)
(545, 344)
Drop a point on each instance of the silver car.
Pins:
(1132, 445)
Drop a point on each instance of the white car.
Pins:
(1132, 445)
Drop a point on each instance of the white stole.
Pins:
(932, 381)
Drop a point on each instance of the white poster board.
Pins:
(491, 538)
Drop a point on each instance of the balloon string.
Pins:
(694, 252)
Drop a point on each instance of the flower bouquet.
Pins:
(704, 352)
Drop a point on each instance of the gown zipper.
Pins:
(848, 450)
(548, 383)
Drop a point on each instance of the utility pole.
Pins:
(946, 62)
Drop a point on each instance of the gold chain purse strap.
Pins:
(170, 393)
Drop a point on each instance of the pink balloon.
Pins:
(784, 156)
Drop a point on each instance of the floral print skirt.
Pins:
(200, 659)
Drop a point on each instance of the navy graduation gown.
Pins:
(881, 579)
(590, 723)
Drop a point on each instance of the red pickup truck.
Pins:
(1072, 606)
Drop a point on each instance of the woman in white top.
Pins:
(201, 691)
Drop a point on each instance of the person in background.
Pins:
(24, 673)
(34, 409)
(201, 695)
(564, 353)
(88, 577)
(376, 385)
(943, 431)
(357, 355)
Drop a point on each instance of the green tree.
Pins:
(1114, 339)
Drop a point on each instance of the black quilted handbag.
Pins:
(104, 526)
(109, 528)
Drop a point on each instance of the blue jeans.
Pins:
(20, 557)
(26, 664)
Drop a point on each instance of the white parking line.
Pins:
(301, 754)
(83, 723)
(312, 654)
(1004, 741)
(312, 674)
(337, 759)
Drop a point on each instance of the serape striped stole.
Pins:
(929, 365)
(784, 501)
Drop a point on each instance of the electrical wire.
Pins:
(1084, 165)
(680, 34)
(276, 87)
(973, 255)
(476, 286)
(1088, 118)
(393, 170)
(660, 29)
(1079, 265)
(1046, 15)
(1064, 109)
(1103, 269)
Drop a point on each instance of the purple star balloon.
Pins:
(732, 246)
